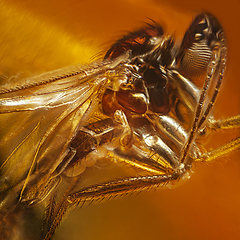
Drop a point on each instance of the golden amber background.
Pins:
(44, 35)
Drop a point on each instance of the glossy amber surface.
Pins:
(206, 206)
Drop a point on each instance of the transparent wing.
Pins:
(40, 117)
(52, 89)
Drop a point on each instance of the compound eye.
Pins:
(197, 31)
(196, 50)
(199, 42)
(201, 30)
(198, 37)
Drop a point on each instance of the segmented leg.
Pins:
(216, 125)
(223, 59)
(125, 186)
(218, 59)
(55, 212)
(221, 151)
(105, 190)
(229, 123)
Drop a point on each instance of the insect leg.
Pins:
(229, 123)
(223, 59)
(55, 211)
(48, 215)
(122, 186)
(216, 60)
(106, 190)
(220, 152)
(198, 112)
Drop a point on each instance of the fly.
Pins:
(141, 106)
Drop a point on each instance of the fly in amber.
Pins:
(142, 107)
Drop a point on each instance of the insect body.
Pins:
(139, 107)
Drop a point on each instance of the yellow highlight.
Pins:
(29, 44)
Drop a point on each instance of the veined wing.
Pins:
(39, 118)
(52, 89)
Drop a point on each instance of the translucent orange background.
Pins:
(207, 206)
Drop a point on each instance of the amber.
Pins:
(198, 208)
